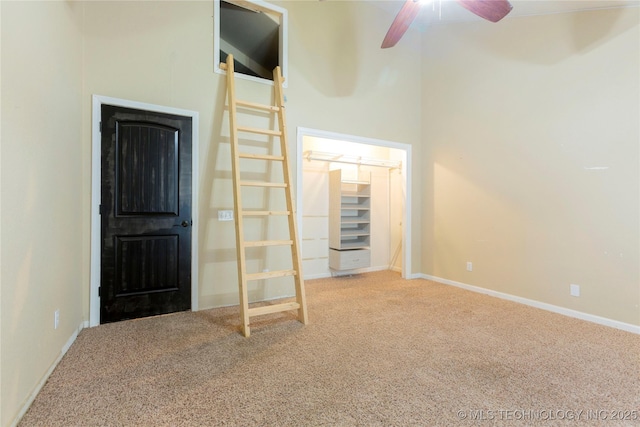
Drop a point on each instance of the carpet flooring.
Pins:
(378, 351)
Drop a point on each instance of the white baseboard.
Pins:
(47, 374)
(537, 304)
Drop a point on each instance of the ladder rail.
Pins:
(237, 199)
(293, 229)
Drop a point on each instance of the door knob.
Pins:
(185, 223)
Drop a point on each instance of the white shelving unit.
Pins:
(349, 221)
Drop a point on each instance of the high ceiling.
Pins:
(445, 11)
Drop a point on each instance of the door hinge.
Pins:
(99, 291)
(100, 127)
(100, 210)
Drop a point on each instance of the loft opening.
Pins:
(255, 32)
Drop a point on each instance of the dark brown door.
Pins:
(145, 214)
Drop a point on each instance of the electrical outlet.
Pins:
(56, 319)
(225, 215)
(574, 290)
(469, 266)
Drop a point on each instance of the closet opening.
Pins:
(379, 216)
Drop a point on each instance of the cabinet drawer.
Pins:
(347, 260)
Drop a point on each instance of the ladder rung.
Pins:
(262, 131)
(248, 104)
(260, 156)
(275, 308)
(265, 213)
(260, 243)
(263, 184)
(270, 274)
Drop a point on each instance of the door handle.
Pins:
(184, 223)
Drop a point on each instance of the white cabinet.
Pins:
(349, 221)
(349, 259)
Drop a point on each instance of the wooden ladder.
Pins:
(239, 213)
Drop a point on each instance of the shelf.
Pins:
(353, 242)
(354, 233)
(355, 221)
(354, 216)
(357, 201)
(349, 246)
(350, 181)
(354, 208)
(349, 221)
(355, 187)
(355, 195)
(349, 213)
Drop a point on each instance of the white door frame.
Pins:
(96, 150)
(406, 229)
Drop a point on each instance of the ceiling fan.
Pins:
(491, 10)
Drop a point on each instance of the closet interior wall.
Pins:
(386, 209)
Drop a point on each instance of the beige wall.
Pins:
(42, 193)
(342, 82)
(531, 140)
(515, 116)
(161, 53)
(55, 55)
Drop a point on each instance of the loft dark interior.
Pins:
(252, 37)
